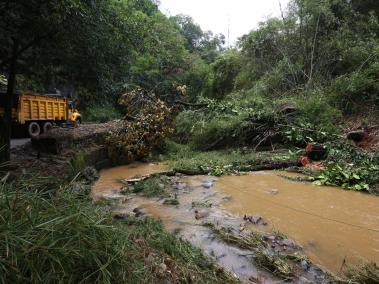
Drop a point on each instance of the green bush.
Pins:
(219, 162)
(217, 133)
(234, 121)
(101, 113)
(315, 120)
(314, 108)
(186, 123)
(225, 70)
(359, 89)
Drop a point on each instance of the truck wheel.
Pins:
(47, 126)
(34, 129)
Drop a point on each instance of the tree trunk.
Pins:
(6, 123)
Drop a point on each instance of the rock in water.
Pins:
(288, 243)
(139, 212)
(304, 265)
(274, 191)
(255, 219)
(199, 214)
(207, 184)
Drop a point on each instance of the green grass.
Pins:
(152, 187)
(221, 162)
(59, 236)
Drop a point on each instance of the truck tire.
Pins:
(47, 126)
(34, 129)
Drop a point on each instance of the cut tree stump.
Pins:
(316, 152)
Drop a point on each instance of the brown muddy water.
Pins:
(335, 227)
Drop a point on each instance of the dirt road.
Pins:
(19, 142)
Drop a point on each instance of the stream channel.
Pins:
(334, 227)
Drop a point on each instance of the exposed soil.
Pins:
(368, 122)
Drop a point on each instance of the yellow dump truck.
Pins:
(38, 113)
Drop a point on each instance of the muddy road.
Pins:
(334, 228)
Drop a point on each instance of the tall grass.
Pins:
(59, 236)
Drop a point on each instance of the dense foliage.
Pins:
(289, 83)
(93, 51)
(96, 49)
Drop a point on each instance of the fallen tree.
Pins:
(146, 124)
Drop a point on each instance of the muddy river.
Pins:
(334, 227)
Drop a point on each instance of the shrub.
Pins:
(315, 109)
(356, 90)
(101, 113)
(225, 70)
(185, 124)
(217, 133)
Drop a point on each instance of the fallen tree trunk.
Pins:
(261, 166)
(269, 165)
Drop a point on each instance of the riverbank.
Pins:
(53, 231)
(186, 205)
(175, 200)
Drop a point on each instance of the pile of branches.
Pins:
(146, 124)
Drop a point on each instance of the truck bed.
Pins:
(34, 108)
